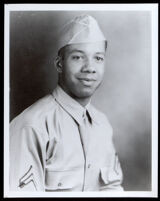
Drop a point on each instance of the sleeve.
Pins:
(27, 159)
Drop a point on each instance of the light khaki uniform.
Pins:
(47, 150)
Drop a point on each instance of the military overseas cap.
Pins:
(81, 29)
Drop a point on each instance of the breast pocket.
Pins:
(112, 174)
(63, 180)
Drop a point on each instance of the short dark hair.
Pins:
(61, 52)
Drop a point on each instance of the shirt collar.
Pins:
(71, 106)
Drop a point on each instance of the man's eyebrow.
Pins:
(80, 51)
(76, 50)
(101, 53)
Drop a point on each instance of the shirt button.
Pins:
(89, 165)
(59, 184)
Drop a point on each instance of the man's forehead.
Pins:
(86, 47)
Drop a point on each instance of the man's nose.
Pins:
(88, 66)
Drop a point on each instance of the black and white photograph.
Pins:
(81, 100)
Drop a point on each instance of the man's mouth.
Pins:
(87, 81)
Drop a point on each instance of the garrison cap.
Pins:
(81, 29)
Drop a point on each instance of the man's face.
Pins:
(83, 68)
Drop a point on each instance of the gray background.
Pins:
(125, 94)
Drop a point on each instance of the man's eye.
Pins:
(76, 57)
(99, 58)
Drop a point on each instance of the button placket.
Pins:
(88, 174)
(89, 165)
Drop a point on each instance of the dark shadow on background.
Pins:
(32, 72)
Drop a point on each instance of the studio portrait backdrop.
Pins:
(125, 94)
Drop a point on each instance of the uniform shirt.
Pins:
(51, 149)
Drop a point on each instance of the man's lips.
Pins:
(88, 82)
(87, 79)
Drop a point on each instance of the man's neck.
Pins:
(83, 101)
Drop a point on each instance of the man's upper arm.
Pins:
(27, 158)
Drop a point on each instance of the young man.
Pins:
(61, 142)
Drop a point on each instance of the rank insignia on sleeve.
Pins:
(27, 178)
(116, 164)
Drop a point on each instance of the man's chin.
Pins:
(85, 93)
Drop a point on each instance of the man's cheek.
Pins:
(100, 74)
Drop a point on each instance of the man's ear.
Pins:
(58, 64)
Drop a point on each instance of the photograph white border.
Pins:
(153, 8)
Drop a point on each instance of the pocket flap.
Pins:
(110, 175)
(61, 179)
